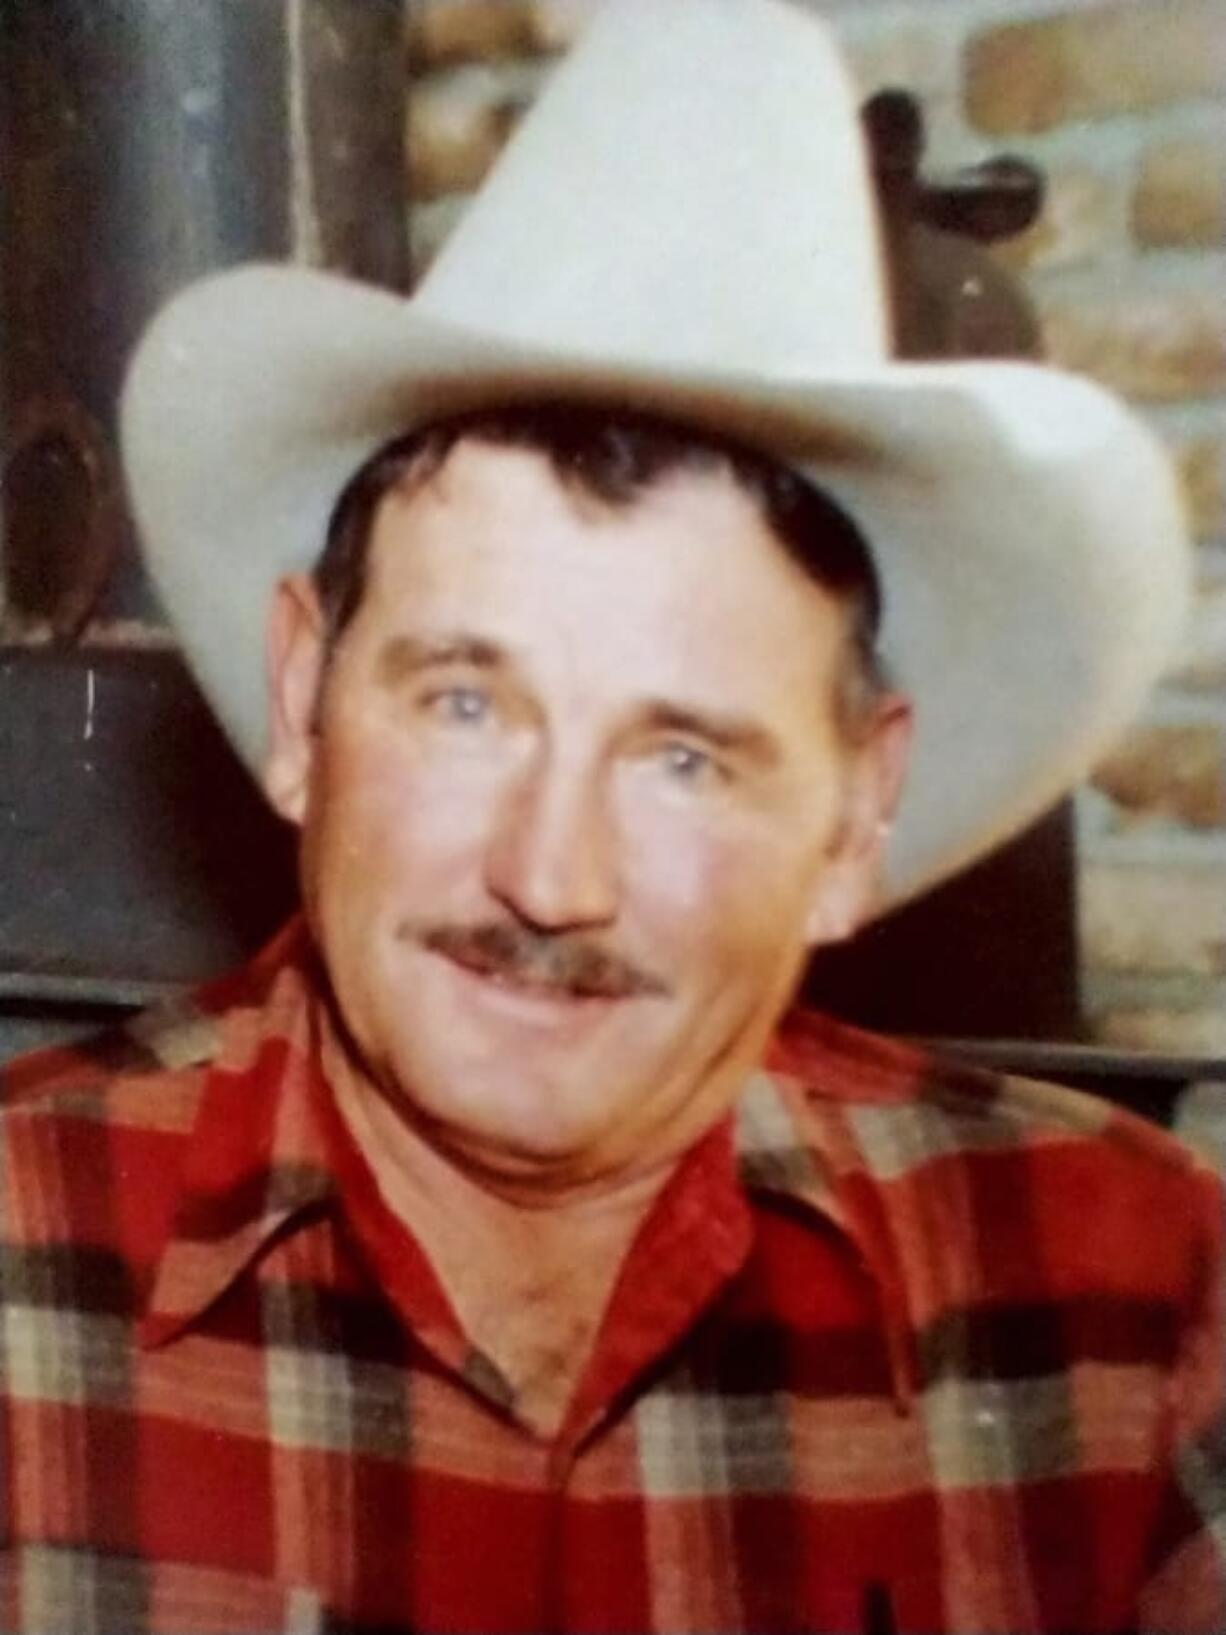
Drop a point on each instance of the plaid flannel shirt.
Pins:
(901, 1347)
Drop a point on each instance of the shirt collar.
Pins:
(258, 1153)
(803, 1125)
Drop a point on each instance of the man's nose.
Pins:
(551, 857)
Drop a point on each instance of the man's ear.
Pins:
(294, 670)
(850, 882)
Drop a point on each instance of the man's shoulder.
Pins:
(109, 1113)
(148, 1045)
(156, 1056)
(1000, 1195)
(917, 1116)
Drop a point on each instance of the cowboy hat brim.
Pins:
(1027, 529)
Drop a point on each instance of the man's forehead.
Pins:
(478, 483)
(483, 465)
(498, 531)
(471, 464)
(693, 604)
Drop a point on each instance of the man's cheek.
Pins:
(406, 820)
(703, 892)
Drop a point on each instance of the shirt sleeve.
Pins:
(1185, 1592)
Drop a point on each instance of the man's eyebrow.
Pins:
(734, 734)
(405, 655)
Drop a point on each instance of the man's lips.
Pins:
(525, 983)
(529, 986)
(535, 1013)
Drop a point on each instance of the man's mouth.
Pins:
(535, 1011)
(524, 982)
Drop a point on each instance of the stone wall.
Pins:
(1120, 102)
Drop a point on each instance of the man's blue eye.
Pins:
(687, 764)
(465, 706)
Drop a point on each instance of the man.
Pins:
(491, 1255)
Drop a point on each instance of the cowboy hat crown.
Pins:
(693, 187)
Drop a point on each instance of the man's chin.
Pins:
(528, 1161)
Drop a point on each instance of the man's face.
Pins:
(574, 806)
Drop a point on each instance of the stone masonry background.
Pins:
(1121, 104)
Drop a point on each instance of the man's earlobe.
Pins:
(843, 899)
(294, 670)
(848, 889)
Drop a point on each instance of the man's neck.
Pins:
(529, 1272)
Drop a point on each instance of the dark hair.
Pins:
(614, 455)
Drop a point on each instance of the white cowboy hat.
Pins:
(685, 224)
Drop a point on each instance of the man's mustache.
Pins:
(566, 961)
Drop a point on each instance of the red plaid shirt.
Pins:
(902, 1347)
